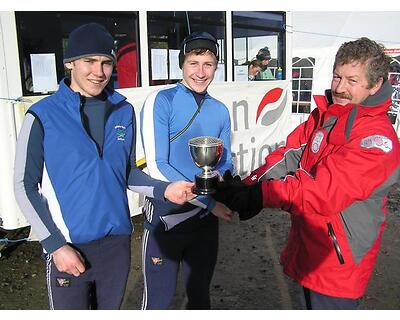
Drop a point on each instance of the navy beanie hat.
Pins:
(198, 40)
(263, 54)
(90, 39)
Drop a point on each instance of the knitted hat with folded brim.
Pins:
(198, 40)
(90, 39)
(263, 54)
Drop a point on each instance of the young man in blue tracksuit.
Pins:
(75, 158)
(186, 235)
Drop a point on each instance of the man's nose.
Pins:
(98, 70)
(200, 72)
(341, 86)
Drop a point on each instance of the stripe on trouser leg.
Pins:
(144, 247)
(48, 281)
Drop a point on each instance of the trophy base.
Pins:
(205, 186)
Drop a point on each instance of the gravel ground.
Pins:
(247, 277)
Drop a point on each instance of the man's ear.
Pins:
(69, 65)
(376, 87)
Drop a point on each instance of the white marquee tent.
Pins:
(320, 34)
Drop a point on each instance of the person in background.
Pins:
(332, 176)
(254, 68)
(186, 235)
(75, 157)
(264, 56)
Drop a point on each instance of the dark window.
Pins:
(47, 32)
(305, 96)
(307, 72)
(304, 108)
(167, 29)
(295, 84)
(254, 30)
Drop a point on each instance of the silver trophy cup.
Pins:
(206, 153)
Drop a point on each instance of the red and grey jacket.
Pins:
(333, 176)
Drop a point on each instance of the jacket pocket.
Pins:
(332, 235)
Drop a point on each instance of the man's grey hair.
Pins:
(365, 51)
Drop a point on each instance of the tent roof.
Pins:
(327, 30)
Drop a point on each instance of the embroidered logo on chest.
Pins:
(377, 141)
(121, 132)
(316, 144)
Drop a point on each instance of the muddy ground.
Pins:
(247, 277)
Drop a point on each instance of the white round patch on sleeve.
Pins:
(377, 141)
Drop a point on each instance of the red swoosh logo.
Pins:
(271, 96)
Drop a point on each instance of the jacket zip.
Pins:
(345, 225)
(332, 234)
(99, 151)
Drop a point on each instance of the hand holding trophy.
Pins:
(206, 152)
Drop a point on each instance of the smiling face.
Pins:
(350, 83)
(90, 75)
(198, 71)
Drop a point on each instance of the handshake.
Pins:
(245, 199)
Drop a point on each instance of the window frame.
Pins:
(280, 30)
(190, 22)
(298, 104)
(76, 18)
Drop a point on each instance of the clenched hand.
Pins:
(69, 260)
(179, 192)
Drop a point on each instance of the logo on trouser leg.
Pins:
(157, 261)
(63, 282)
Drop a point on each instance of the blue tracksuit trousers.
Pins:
(165, 252)
(101, 286)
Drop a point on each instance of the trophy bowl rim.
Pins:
(210, 144)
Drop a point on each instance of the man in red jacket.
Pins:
(332, 176)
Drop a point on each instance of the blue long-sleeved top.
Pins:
(70, 188)
(164, 114)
